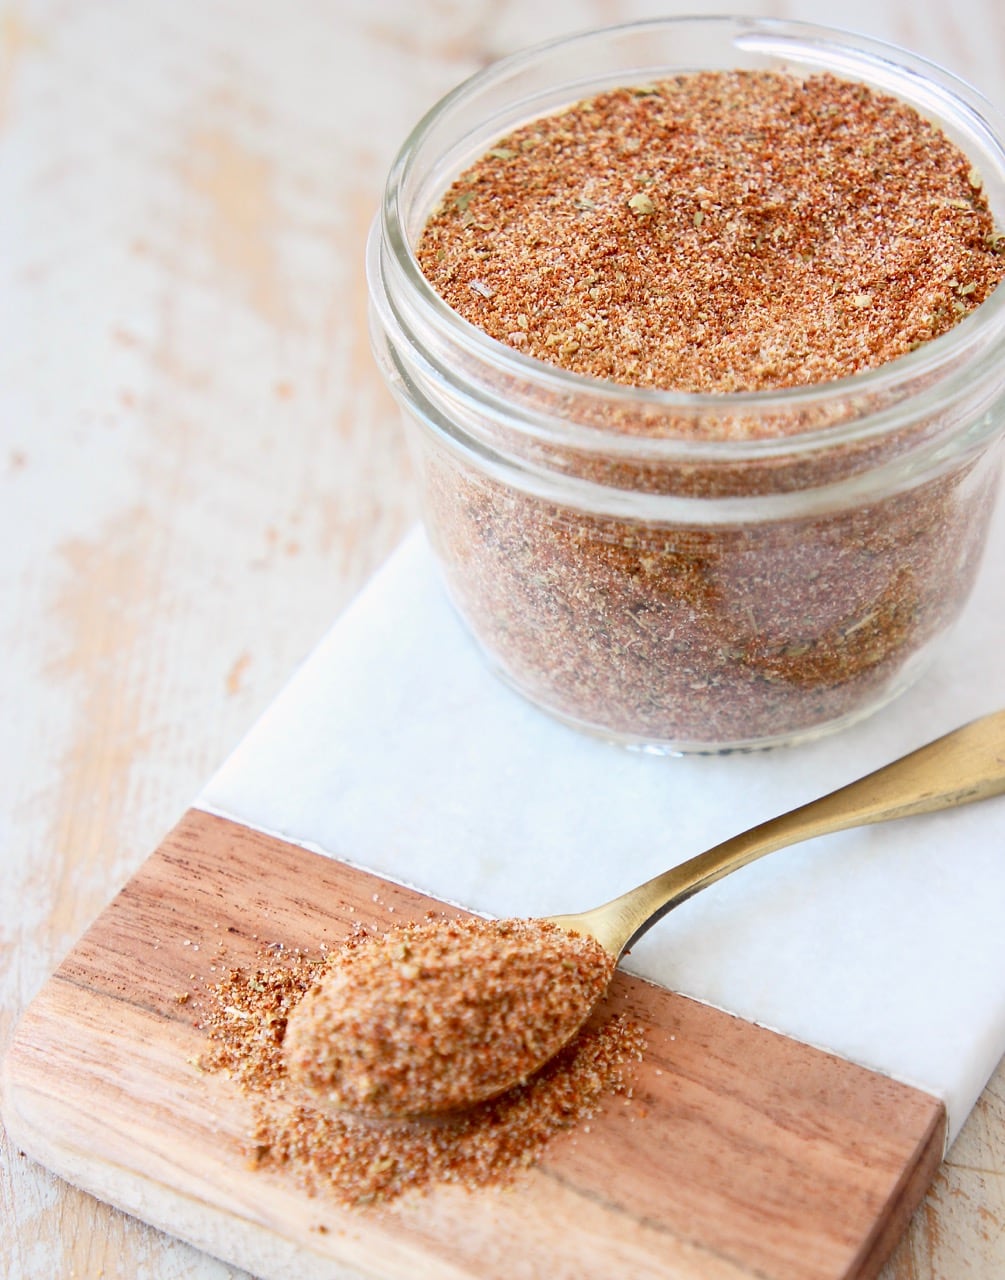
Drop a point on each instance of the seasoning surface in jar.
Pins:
(702, 374)
(718, 232)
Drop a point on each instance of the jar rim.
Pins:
(816, 43)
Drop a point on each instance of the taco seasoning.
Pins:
(708, 453)
(361, 1162)
(436, 1017)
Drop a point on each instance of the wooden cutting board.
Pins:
(742, 1154)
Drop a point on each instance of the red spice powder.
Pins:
(431, 1017)
(718, 231)
(359, 1163)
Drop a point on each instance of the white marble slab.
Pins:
(394, 748)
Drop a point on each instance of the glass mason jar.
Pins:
(691, 572)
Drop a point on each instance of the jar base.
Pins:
(908, 675)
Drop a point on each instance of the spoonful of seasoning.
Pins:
(436, 1017)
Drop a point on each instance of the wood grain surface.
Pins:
(199, 465)
(740, 1154)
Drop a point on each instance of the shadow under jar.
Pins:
(692, 571)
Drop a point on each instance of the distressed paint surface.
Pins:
(199, 464)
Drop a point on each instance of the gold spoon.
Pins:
(454, 1013)
(958, 768)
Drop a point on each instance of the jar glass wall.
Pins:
(687, 571)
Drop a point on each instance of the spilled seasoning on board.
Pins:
(359, 1162)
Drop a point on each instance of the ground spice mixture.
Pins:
(706, 637)
(714, 232)
(362, 1163)
(429, 1018)
(719, 231)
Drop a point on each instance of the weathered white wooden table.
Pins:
(199, 465)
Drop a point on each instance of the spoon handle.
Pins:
(965, 765)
